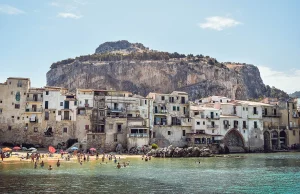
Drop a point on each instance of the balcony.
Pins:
(86, 105)
(66, 118)
(212, 117)
(212, 126)
(32, 99)
(138, 135)
(116, 110)
(271, 115)
(35, 110)
(161, 112)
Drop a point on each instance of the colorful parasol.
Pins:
(52, 149)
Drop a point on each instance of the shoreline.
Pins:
(17, 157)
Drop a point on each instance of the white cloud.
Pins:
(10, 10)
(54, 4)
(69, 15)
(286, 81)
(219, 23)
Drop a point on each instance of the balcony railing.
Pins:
(271, 115)
(31, 99)
(138, 135)
(212, 126)
(33, 110)
(115, 109)
(160, 112)
(212, 117)
(66, 118)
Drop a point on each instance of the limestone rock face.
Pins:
(199, 78)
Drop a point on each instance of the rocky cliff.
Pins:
(132, 67)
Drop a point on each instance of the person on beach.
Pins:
(42, 164)
(2, 156)
(80, 162)
(88, 157)
(118, 166)
(149, 157)
(35, 165)
(84, 158)
(50, 167)
(27, 156)
(58, 163)
(97, 156)
(146, 159)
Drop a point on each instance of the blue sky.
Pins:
(36, 33)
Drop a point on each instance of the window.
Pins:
(46, 116)
(111, 126)
(244, 125)
(178, 108)
(65, 130)
(115, 137)
(47, 92)
(1, 101)
(244, 131)
(9, 128)
(220, 100)
(154, 135)
(59, 112)
(0, 110)
(53, 112)
(294, 132)
(61, 103)
(145, 101)
(19, 84)
(246, 108)
(93, 136)
(198, 123)
(87, 127)
(162, 98)
(12, 103)
(255, 111)
(183, 132)
(35, 129)
(213, 131)
(203, 122)
(18, 118)
(119, 127)
(169, 132)
(174, 108)
(12, 117)
(243, 108)
(255, 124)
(75, 103)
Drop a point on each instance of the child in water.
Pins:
(42, 164)
(50, 167)
(58, 163)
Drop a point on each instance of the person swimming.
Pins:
(50, 167)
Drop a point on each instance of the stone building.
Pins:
(171, 120)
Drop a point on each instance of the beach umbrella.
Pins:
(32, 148)
(16, 148)
(6, 149)
(52, 149)
(93, 149)
(74, 148)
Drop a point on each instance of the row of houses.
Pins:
(106, 119)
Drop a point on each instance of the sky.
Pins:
(36, 33)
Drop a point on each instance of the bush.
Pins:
(154, 146)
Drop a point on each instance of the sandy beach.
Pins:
(17, 157)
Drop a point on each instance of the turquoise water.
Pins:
(256, 173)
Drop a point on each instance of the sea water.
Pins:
(252, 173)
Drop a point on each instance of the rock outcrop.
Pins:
(180, 152)
(132, 67)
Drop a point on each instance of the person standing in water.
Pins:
(35, 165)
(118, 166)
(42, 164)
(58, 163)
